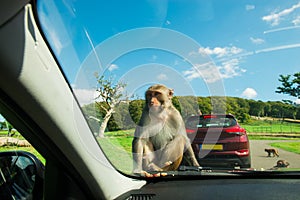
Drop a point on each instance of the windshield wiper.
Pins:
(253, 172)
(195, 172)
(188, 171)
(193, 168)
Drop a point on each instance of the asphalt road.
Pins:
(259, 158)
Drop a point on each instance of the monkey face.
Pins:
(158, 95)
(153, 99)
(154, 102)
(158, 98)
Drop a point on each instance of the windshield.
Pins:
(140, 69)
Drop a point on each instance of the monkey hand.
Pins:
(153, 175)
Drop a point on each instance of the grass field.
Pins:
(263, 137)
(288, 146)
(118, 150)
(117, 145)
(271, 126)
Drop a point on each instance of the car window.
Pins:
(215, 57)
(12, 140)
(216, 122)
(21, 165)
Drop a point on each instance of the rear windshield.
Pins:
(200, 122)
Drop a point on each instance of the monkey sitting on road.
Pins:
(282, 163)
(160, 141)
(274, 152)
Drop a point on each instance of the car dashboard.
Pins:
(219, 188)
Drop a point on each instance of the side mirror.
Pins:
(21, 176)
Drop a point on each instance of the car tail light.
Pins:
(190, 131)
(209, 116)
(236, 131)
(242, 152)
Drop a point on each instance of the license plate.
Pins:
(211, 146)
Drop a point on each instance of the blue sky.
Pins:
(234, 47)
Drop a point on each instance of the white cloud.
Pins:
(212, 72)
(249, 93)
(257, 40)
(231, 68)
(209, 72)
(296, 21)
(250, 7)
(220, 51)
(85, 96)
(297, 101)
(162, 77)
(113, 67)
(274, 18)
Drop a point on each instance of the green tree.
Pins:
(297, 112)
(204, 104)
(219, 104)
(135, 109)
(111, 95)
(243, 104)
(176, 103)
(242, 116)
(188, 106)
(290, 86)
(256, 108)
(267, 108)
(238, 107)
(278, 109)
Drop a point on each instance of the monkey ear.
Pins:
(171, 92)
